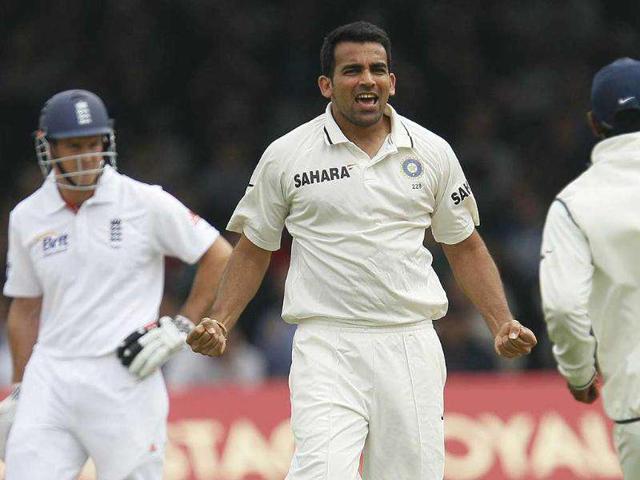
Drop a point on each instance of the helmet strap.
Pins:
(67, 178)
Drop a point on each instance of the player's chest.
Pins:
(395, 188)
(89, 245)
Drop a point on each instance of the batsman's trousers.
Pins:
(73, 408)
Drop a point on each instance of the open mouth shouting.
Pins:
(368, 100)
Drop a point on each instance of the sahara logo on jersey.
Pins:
(319, 176)
(461, 193)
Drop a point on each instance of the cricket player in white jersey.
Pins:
(590, 273)
(356, 188)
(85, 270)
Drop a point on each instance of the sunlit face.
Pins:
(73, 150)
(361, 83)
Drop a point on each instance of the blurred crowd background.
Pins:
(199, 88)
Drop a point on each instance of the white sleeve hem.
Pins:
(206, 245)
(579, 378)
(20, 293)
(460, 237)
(254, 237)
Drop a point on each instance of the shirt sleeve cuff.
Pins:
(581, 378)
(21, 293)
(461, 236)
(208, 240)
(253, 236)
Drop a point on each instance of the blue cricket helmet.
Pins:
(70, 114)
(74, 113)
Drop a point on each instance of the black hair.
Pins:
(359, 32)
(625, 121)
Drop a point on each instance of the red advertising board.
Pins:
(524, 427)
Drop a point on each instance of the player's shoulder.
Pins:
(424, 140)
(579, 187)
(302, 138)
(138, 196)
(31, 206)
(138, 187)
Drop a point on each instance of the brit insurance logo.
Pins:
(412, 168)
(53, 243)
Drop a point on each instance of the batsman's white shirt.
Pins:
(590, 275)
(357, 222)
(100, 271)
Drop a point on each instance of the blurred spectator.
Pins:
(463, 351)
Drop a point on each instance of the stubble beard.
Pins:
(363, 120)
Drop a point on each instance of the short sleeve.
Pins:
(456, 212)
(176, 230)
(22, 280)
(261, 213)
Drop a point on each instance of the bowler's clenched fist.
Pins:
(209, 337)
(514, 340)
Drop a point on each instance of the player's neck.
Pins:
(75, 198)
(368, 139)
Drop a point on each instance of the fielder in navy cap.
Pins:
(589, 269)
(615, 93)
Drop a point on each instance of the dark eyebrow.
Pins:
(359, 66)
(352, 65)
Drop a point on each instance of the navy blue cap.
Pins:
(615, 87)
(75, 113)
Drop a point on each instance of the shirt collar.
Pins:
(399, 133)
(105, 192)
(626, 146)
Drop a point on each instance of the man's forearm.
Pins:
(205, 284)
(240, 281)
(478, 277)
(22, 326)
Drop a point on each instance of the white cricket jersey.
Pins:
(357, 222)
(590, 275)
(100, 271)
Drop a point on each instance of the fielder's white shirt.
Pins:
(100, 271)
(357, 222)
(590, 275)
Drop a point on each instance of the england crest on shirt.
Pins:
(115, 232)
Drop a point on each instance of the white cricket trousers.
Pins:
(375, 391)
(73, 408)
(627, 441)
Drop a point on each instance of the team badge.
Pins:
(83, 113)
(412, 168)
(115, 232)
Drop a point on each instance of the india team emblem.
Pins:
(412, 168)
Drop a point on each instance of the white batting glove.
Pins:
(7, 414)
(150, 347)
